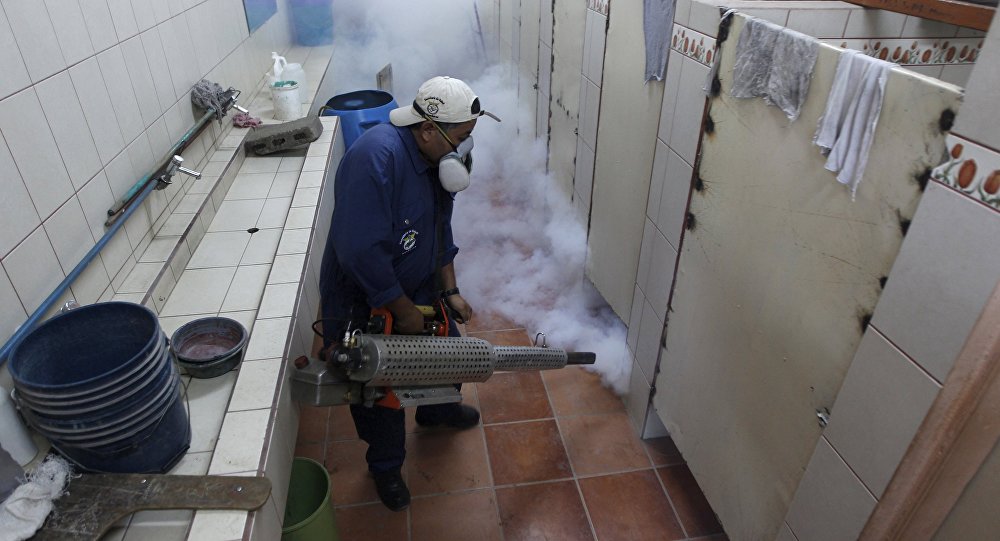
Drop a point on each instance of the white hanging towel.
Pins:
(847, 127)
(774, 63)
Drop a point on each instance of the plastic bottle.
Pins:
(278, 67)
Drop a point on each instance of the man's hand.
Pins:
(458, 304)
(406, 318)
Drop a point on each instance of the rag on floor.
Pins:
(847, 127)
(774, 63)
(657, 25)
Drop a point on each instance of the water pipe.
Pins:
(118, 215)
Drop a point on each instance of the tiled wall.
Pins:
(947, 267)
(590, 102)
(93, 93)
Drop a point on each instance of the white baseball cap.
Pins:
(441, 99)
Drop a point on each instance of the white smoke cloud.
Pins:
(522, 245)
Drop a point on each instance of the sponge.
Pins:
(276, 137)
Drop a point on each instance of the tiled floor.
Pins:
(554, 458)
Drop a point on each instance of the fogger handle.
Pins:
(580, 357)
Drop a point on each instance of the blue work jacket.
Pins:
(382, 238)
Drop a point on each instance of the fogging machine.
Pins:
(411, 370)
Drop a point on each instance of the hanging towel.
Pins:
(774, 63)
(847, 127)
(658, 25)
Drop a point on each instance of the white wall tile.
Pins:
(686, 126)
(95, 199)
(12, 314)
(137, 65)
(589, 115)
(874, 23)
(656, 180)
(637, 399)
(588, 43)
(119, 85)
(145, 16)
(180, 54)
(124, 19)
(121, 175)
(595, 63)
(661, 273)
(199, 291)
(916, 27)
(69, 234)
(583, 180)
(957, 74)
(141, 156)
(682, 12)
(830, 504)
(15, 75)
(648, 346)
(979, 117)
(635, 319)
(207, 399)
(930, 71)
(161, 11)
(544, 69)
(157, 63)
(100, 26)
(159, 139)
(819, 23)
(65, 114)
(74, 39)
(672, 81)
(278, 300)
(654, 426)
(673, 201)
(268, 339)
(20, 216)
(35, 37)
(97, 108)
(91, 283)
(940, 279)
(704, 18)
(33, 269)
(34, 150)
(776, 16)
(881, 404)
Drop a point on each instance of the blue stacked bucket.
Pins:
(358, 111)
(100, 384)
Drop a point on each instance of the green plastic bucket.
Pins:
(308, 513)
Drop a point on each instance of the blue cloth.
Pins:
(382, 237)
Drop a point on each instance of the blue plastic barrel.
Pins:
(358, 111)
(312, 21)
(100, 383)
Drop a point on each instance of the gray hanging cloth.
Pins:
(658, 25)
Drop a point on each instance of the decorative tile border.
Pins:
(916, 52)
(600, 6)
(971, 169)
(692, 44)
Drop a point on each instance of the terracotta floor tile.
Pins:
(466, 516)
(543, 512)
(349, 479)
(603, 443)
(693, 509)
(525, 452)
(340, 426)
(575, 391)
(513, 396)
(446, 460)
(372, 522)
(315, 451)
(663, 452)
(516, 337)
(490, 321)
(312, 424)
(630, 506)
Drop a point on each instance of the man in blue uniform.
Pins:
(391, 246)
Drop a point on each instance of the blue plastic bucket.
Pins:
(358, 111)
(100, 383)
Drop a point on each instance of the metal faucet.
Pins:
(175, 166)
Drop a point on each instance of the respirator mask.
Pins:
(454, 167)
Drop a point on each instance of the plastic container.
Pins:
(308, 513)
(210, 346)
(359, 111)
(98, 381)
(312, 21)
(287, 103)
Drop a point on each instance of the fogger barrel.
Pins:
(420, 368)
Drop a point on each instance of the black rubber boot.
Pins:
(454, 415)
(392, 490)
